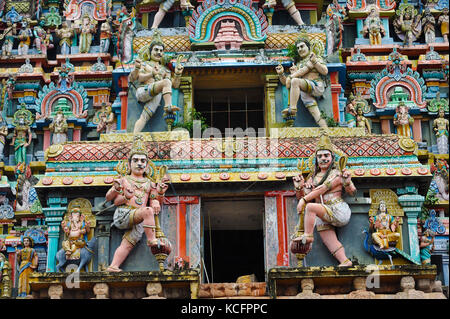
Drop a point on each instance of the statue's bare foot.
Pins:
(346, 263)
(113, 269)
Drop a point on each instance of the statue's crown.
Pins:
(156, 39)
(325, 144)
(138, 146)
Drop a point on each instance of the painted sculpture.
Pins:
(126, 23)
(3, 134)
(85, 27)
(289, 5)
(42, 38)
(439, 183)
(443, 22)
(441, 127)
(27, 199)
(154, 82)
(105, 36)
(65, 35)
(403, 121)
(77, 247)
(426, 246)
(27, 261)
(105, 120)
(362, 121)
(164, 7)
(407, 24)
(384, 227)
(350, 111)
(24, 38)
(8, 36)
(320, 199)
(59, 128)
(428, 26)
(130, 194)
(305, 81)
(373, 27)
(22, 133)
(336, 15)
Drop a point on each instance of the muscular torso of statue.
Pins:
(135, 192)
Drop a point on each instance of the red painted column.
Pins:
(385, 127)
(123, 83)
(46, 138)
(336, 89)
(12, 261)
(417, 130)
(76, 134)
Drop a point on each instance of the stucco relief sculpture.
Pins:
(59, 128)
(23, 119)
(403, 121)
(305, 81)
(8, 36)
(407, 24)
(24, 38)
(27, 261)
(384, 227)
(320, 200)
(154, 81)
(373, 27)
(42, 38)
(289, 5)
(65, 35)
(165, 6)
(86, 28)
(428, 25)
(441, 127)
(362, 121)
(443, 22)
(3, 134)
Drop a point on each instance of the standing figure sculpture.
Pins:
(42, 38)
(8, 35)
(428, 24)
(289, 5)
(320, 197)
(407, 24)
(403, 121)
(24, 38)
(441, 127)
(385, 226)
(85, 28)
(305, 80)
(164, 7)
(22, 134)
(373, 27)
(3, 134)
(27, 260)
(130, 194)
(443, 22)
(426, 246)
(65, 35)
(59, 128)
(106, 123)
(105, 36)
(126, 24)
(350, 111)
(155, 82)
(362, 121)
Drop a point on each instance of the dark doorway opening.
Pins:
(233, 242)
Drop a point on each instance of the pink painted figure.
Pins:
(130, 195)
(321, 199)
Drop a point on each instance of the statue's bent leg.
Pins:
(164, 7)
(335, 247)
(312, 210)
(295, 14)
(146, 216)
(313, 109)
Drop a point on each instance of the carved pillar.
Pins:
(411, 203)
(417, 129)
(53, 217)
(123, 83)
(186, 89)
(47, 134)
(336, 90)
(104, 233)
(270, 86)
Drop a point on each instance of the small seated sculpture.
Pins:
(407, 24)
(76, 231)
(384, 226)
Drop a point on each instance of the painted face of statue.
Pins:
(441, 113)
(138, 164)
(26, 242)
(76, 216)
(324, 158)
(303, 49)
(157, 53)
(382, 207)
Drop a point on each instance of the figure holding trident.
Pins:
(130, 194)
(320, 197)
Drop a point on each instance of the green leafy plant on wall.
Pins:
(330, 121)
(189, 125)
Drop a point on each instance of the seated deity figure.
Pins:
(403, 121)
(407, 24)
(130, 194)
(305, 81)
(154, 81)
(384, 226)
(76, 231)
(320, 197)
(373, 27)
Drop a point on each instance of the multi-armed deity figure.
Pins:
(27, 261)
(443, 22)
(441, 127)
(384, 227)
(407, 24)
(24, 37)
(76, 230)
(320, 197)
(22, 133)
(65, 35)
(155, 82)
(59, 128)
(403, 121)
(137, 199)
(85, 27)
(428, 24)
(164, 7)
(8, 35)
(373, 26)
(289, 5)
(305, 80)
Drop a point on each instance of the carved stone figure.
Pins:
(373, 27)
(106, 123)
(426, 246)
(360, 292)
(42, 38)
(164, 7)
(441, 127)
(76, 231)
(8, 35)
(407, 285)
(307, 286)
(403, 121)
(130, 194)
(428, 24)
(289, 5)
(24, 38)
(105, 36)
(3, 134)
(27, 261)
(22, 134)
(153, 290)
(362, 121)
(155, 82)
(320, 197)
(305, 80)
(101, 290)
(384, 228)
(407, 24)
(59, 128)
(443, 22)
(350, 111)
(65, 35)
(85, 27)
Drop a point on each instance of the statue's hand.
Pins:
(279, 68)
(313, 58)
(156, 206)
(179, 69)
(161, 188)
(117, 185)
(347, 176)
(299, 181)
(138, 64)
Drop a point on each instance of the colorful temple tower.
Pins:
(224, 148)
